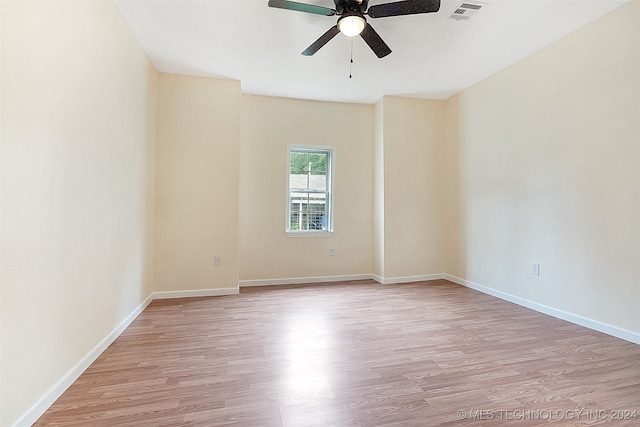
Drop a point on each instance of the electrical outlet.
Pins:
(332, 251)
(217, 261)
(535, 269)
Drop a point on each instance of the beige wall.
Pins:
(378, 192)
(412, 150)
(549, 172)
(78, 130)
(197, 183)
(387, 183)
(268, 126)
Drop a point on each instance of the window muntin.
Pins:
(309, 191)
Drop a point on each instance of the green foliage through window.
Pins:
(305, 162)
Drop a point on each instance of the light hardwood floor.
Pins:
(354, 354)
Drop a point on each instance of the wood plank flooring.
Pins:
(354, 354)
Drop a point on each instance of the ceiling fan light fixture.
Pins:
(351, 25)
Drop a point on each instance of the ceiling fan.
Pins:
(352, 21)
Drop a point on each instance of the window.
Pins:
(309, 191)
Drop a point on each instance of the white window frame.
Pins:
(330, 219)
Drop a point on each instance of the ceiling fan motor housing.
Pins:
(351, 6)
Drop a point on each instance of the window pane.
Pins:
(308, 171)
(318, 163)
(304, 162)
(308, 182)
(308, 211)
(299, 163)
(299, 181)
(318, 182)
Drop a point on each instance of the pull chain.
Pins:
(351, 61)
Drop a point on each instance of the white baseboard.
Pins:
(303, 280)
(406, 279)
(343, 278)
(605, 328)
(51, 395)
(215, 292)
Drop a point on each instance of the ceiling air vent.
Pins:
(466, 10)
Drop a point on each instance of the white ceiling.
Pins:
(433, 56)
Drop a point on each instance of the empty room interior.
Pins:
(474, 255)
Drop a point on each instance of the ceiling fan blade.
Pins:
(301, 7)
(375, 42)
(324, 39)
(408, 7)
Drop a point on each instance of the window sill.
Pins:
(308, 233)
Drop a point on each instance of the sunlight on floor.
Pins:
(308, 348)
